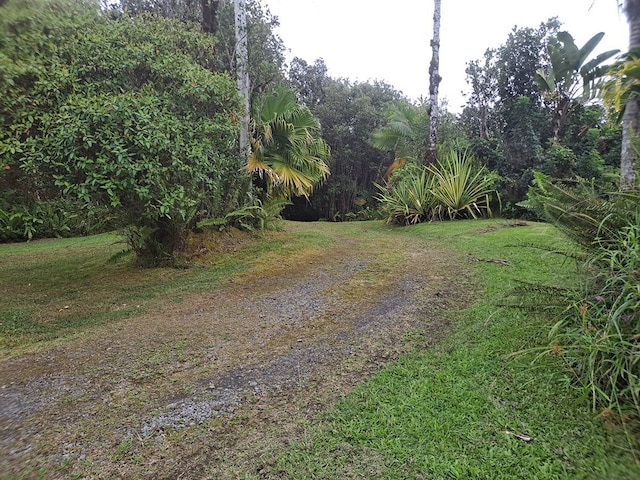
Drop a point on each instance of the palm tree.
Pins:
(287, 151)
(631, 118)
(402, 134)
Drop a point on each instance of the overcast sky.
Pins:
(390, 40)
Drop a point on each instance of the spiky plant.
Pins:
(462, 188)
(408, 198)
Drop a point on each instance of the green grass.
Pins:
(58, 287)
(444, 413)
(441, 413)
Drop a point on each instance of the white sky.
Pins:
(390, 40)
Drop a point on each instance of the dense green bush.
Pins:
(53, 218)
(117, 112)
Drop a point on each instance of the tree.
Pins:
(210, 15)
(560, 81)
(506, 117)
(287, 151)
(631, 117)
(309, 81)
(265, 50)
(482, 79)
(242, 72)
(434, 82)
(183, 10)
(122, 113)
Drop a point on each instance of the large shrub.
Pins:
(118, 112)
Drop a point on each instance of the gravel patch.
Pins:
(278, 341)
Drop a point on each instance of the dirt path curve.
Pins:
(214, 385)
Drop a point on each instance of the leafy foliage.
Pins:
(623, 82)
(121, 113)
(560, 81)
(349, 113)
(455, 187)
(52, 218)
(586, 216)
(598, 334)
(568, 62)
(258, 217)
(461, 189)
(404, 133)
(409, 197)
(526, 112)
(286, 147)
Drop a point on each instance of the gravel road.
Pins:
(212, 386)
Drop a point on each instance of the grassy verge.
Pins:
(54, 288)
(466, 409)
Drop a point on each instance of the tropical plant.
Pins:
(461, 187)
(586, 216)
(404, 134)
(454, 187)
(621, 92)
(623, 84)
(598, 334)
(505, 116)
(348, 113)
(257, 217)
(408, 197)
(559, 81)
(287, 151)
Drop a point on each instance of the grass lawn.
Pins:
(466, 409)
(54, 288)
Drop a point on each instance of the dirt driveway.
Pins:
(215, 385)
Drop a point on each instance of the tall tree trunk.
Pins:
(434, 82)
(242, 72)
(210, 15)
(631, 118)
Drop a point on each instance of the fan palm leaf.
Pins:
(287, 148)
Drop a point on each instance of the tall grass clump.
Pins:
(598, 334)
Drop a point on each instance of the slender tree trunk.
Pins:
(242, 72)
(434, 82)
(210, 15)
(631, 118)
